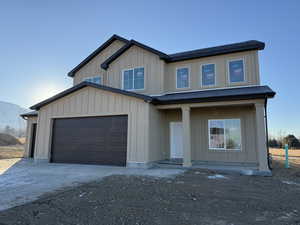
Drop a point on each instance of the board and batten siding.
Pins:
(93, 68)
(160, 77)
(90, 101)
(199, 127)
(137, 57)
(251, 69)
(156, 134)
(199, 133)
(30, 121)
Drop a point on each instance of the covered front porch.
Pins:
(191, 140)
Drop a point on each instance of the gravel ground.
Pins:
(23, 181)
(195, 197)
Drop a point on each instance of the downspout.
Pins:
(267, 134)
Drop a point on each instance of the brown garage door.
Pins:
(90, 140)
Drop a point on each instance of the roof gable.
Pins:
(89, 84)
(199, 53)
(96, 52)
(131, 43)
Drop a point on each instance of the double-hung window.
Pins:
(134, 79)
(208, 72)
(96, 79)
(182, 77)
(236, 71)
(224, 134)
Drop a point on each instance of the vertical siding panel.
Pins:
(91, 100)
(78, 103)
(92, 68)
(85, 100)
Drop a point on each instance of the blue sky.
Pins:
(40, 41)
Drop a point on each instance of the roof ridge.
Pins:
(218, 46)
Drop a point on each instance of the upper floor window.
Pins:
(182, 77)
(236, 71)
(224, 134)
(134, 79)
(208, 72)
(96, 80)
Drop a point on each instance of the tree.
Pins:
(273, 143)
(292, 141)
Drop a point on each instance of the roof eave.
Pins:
(97, 51)
(214, 99)
(77, 87)
(256, 46)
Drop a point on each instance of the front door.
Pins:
(176, 143)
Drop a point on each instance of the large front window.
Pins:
(182, 78)
(236, 71)
(225, 134)
(134, 79)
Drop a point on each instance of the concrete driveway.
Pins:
(22, 180)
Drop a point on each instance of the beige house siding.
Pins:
(30, 120)
(199, 133)
(222, 78)
(90, 101)
(156, 134)
(138, 57)
(160, 77)
(199, 127)
(92, 68)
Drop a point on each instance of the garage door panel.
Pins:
(90, 140)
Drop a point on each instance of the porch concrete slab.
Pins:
(23, 180)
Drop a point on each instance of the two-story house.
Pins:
(135, 106)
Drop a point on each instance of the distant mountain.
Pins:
(10, 116)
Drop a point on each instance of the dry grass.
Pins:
(22, 140)
(281, 152)
(279, 169)
(9, 152)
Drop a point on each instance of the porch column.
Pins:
(186, 125)
(261, 137)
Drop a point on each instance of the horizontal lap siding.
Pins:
(93, 102)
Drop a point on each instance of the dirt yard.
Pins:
(10, 152)
(196, 197)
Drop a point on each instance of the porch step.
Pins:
(244, 169)
(169, 163)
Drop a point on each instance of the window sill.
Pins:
(224, 150)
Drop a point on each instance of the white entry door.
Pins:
(176, 140)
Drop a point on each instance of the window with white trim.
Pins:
(134, 79)
(96, 79)
(224, 134)
(182, 77)
(208, 72)
(236, 71)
